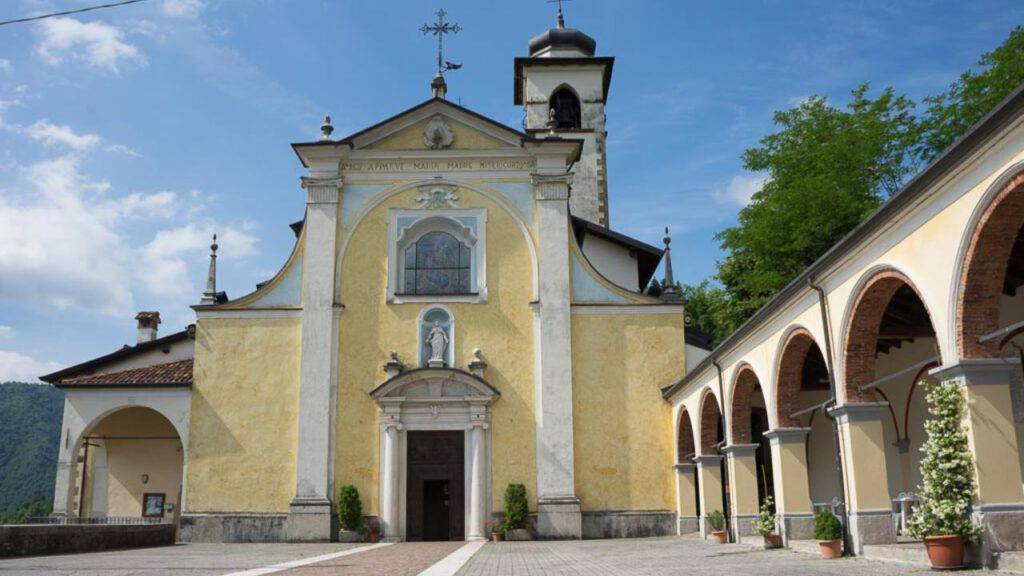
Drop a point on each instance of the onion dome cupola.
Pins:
(562, 42)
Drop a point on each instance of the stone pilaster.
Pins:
(309, 517)
(558, 508)
(999, 505)
(476, 530)
(709, 474)
(862, 445)
(742, 462)
(790, 479)
(687, 519)
(389, 504)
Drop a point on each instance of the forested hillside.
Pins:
(30, 417)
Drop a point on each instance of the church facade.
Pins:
(455, 316)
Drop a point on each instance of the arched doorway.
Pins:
(712, 479)
(687, 482)
(890, 341)
(750, 462)
(990, 307)
(805, 440)
(129, 468)
(435, 454)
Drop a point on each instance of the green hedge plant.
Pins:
(716, 520)
(827, 526)
(765, 523)
(516, 509)
(947, 471)
(350, 508)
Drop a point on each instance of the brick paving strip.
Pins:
(401, 559)
(297, 563)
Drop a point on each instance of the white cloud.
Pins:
(98, 44)
(740, 189)
(121, 148)
(51, 134)
(69, 241)
(15, 367)
(182, 8)
(6, 331)
(6, 65)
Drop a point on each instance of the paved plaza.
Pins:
(650, 556)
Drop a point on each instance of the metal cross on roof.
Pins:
(439, 29)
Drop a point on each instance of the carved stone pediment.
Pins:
(434, 385)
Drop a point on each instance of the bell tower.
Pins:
(562, 86)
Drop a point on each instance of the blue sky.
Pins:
(127, 136)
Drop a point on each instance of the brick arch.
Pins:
(862, 325)
(710, 420)
(790, 373)
(744, 386)
(984, 269)
(684, 438)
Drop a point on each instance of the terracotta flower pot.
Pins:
(772, 541)
(945, 552)
(720, 536)
(497, 536)
(830, 549)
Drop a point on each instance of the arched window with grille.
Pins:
(567, 109)
(437, 263)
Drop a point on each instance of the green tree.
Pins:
(949, 114)
(827, 168)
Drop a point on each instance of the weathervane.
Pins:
(439, 29)
(561, 19)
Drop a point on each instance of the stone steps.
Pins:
(905, 552)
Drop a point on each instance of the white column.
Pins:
(310, 511)
(389, 505)
(477, 482)
(98, 455)
(67, 462)
(558, 507)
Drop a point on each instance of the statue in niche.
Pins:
(437, 339)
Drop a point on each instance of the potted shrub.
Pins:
(943, 517)
(516, 513)
(716, 524)
(350, 514)
(828, 531)
(765, 524)
(495, 529)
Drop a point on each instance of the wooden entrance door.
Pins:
(435, 486)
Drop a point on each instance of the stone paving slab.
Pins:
(179, 560)
(662, 556)
(402, 559)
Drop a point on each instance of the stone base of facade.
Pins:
(628, 523)
(796, 527)
(743, 528)
(870, 527)
(687, 524)
(1002, 531)
(232, 527)
(309, 521)
(559, 519)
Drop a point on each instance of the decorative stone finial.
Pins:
(478, 364)
(210, 294)
(326, 129)
(552, 122)
(560, 19)
(669, 293)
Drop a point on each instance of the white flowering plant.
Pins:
(765, 522)
(947, 487)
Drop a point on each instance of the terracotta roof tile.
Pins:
(178, 373)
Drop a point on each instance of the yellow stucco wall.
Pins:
(622, 428)
(370, 328)
(244, 420)
(411, 138)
